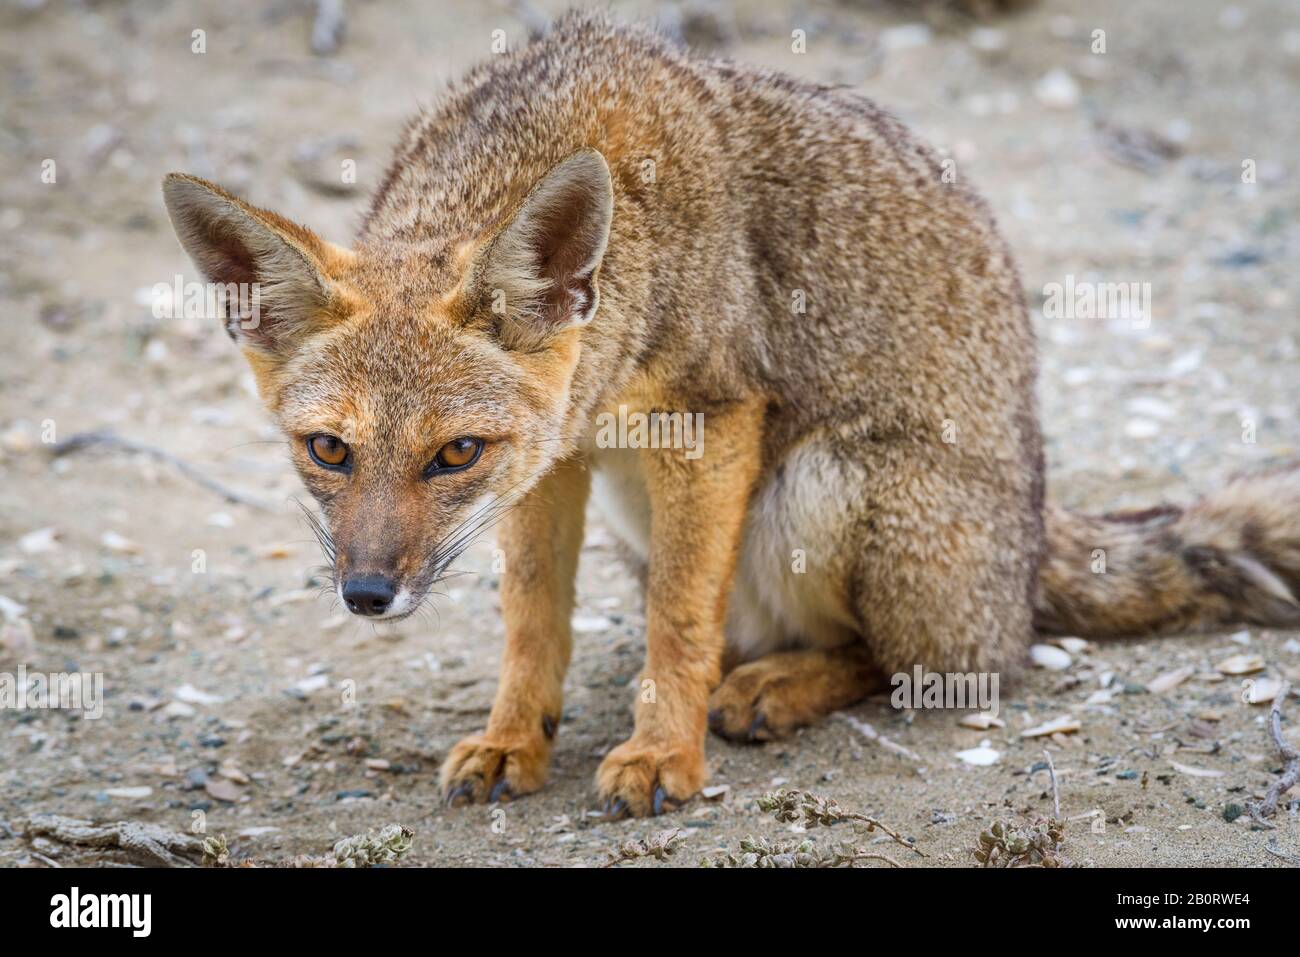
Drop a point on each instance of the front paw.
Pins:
(484, 768)
(638, 779)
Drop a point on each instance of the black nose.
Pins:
(369, 594)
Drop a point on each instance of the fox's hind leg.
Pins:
(772, 696)
(917, 557)
(947, 564)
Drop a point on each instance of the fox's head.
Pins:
(423, 386)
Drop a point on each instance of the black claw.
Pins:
(548, 727)
(464, 789)
(498, 789)
(717, 723)
(758, 724)
(659, 800)
(615, 808)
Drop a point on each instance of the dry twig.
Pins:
(871, 734)
(1272, 848)
(110, 440)
(1290, 771)
(147, 845)
(1056, 794)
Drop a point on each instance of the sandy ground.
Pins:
(310, 726)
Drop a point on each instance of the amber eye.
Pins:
(455, 455)
(328, 451)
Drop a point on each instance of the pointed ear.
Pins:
(270, 273)
(539, 271)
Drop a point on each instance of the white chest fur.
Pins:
(619, 491)
(776, 601)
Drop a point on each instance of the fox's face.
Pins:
(423, 390)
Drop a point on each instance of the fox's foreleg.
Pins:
(698, 508)
(540, 540)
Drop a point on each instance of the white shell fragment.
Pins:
(1049, 657)
(137, 792)
(1057, 90)
(119, 543)
(1073, 646)
(192, 695)
(982, 756)
(981, 721)
(906, 36)
(39, 541)
(1065, 724)
(1261, 690)
(988, 39)
(178, 709)
(1241, 665)
(257, 831)
(312, 683)
(1170, 679)
(1195, 772)
(10, 609)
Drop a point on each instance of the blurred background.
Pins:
(1117, 140)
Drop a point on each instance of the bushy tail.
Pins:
(1231, 558)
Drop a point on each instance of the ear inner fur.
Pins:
(539, 271)
(280, 265)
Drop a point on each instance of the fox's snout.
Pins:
(368, 595)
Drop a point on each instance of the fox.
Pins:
(599, 223)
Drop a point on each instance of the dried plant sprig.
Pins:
(216, 852)
(813, 810)
(661, 847)
(1032, 845)
(364, 850)
(361, 850)
(761, 853)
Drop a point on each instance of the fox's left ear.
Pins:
(539, 271)
(277, 266)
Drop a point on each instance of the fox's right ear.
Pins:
(539, 271)
(272, 272)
